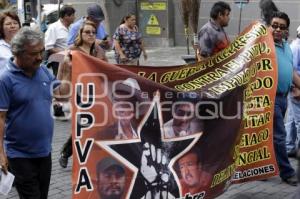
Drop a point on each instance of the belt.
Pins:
(282, 94)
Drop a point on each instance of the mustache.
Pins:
(188, 175)
(115, 187)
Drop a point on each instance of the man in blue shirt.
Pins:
(286, 75)
(292, 123)
(26, 124)
(94, 14)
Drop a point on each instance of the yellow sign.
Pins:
(153, 30)
(154, 6)
(153, 21)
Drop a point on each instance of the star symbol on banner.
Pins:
(151, 157)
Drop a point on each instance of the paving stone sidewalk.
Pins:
(60, 186)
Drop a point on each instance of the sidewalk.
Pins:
(159, 56)
(60, 186)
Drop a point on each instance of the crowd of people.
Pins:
(212, 38)
(25, 85)
(27, 80)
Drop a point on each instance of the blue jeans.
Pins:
(279, 134)
(292, 124)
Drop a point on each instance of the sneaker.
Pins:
(63, 161)
(293, 181)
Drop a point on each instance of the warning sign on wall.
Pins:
(153, 30)
(153, 21)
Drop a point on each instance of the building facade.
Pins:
(161, 22)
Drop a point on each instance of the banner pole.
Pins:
(240, 17)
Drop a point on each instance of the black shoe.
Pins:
(63, 161)
(58, 112)
(292, 154)
(264, 180)
(293, 181)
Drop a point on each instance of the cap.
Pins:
(108, 162)
(95, 12)
(298, 30)
(129, 86)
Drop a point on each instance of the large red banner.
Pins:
(186, 131)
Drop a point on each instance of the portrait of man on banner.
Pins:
(193, 178)
(127, 108)
(110, 178)
(184, 121)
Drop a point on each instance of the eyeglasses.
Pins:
(88, 32)
(281, 27)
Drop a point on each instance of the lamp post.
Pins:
(240, 4)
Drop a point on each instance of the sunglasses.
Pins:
(276, 26)
(88, 32)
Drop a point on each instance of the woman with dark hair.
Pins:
(9, 26)
(128, 42)
(85, 41)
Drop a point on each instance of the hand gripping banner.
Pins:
(186, 131)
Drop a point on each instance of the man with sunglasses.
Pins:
(286, 76)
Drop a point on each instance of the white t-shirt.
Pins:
(56, 36)
(121, 134)
(169, 131)
(5, 54)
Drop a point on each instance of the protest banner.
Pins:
(185, 131)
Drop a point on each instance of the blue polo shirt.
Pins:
(27, 100)
(73, 32)
(285, 67)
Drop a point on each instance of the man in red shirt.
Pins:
(212, 38)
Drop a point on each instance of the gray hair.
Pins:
(25, 36)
